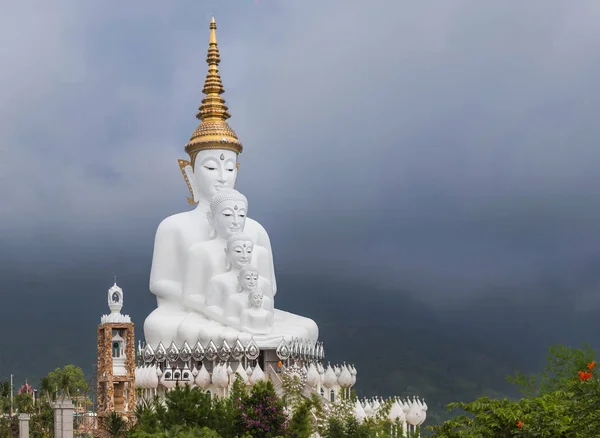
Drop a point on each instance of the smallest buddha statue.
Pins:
(255, 318)
(238, 303)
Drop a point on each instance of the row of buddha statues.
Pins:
(228, 287)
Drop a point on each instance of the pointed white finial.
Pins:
(115, 298)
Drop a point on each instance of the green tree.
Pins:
(563, 401)
(68, 380)
(115, 425)
(41, 424)
(46, 389)
(184, 411)
(23, 403)
(261, 413)
(301, 424)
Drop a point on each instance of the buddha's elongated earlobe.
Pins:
(188, 175)
(237, 173)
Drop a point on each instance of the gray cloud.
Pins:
(444, 146)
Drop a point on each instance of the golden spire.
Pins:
(213, 132)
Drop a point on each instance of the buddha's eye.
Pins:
(249, 251)
(242, 215)
(209, 168)
(230, 170)
(239, 251)
(226, 214)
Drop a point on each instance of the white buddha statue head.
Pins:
(213, 147)
(255, 298)
(213, 170)
(239, 251)
(227, 215)
(248, 279)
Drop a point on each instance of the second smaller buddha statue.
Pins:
(249, 310)
(255, 318)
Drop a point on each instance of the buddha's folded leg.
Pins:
(286, 319)
(162, 324)
(188, 330)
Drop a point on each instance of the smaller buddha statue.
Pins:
(239, 253)
(227, 217)
(255, 318)
(238, 299)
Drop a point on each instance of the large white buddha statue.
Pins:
(213, 150)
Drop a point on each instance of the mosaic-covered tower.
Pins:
(116, 359)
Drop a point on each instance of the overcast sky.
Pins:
(446, 147)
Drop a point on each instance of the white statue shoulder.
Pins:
(173, 237)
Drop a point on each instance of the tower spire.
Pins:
(213, 131)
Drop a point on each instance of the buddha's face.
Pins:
(240, 253)
(249, 280)
(214, 169)
(229, 218)
(256, 299)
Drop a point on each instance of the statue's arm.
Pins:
(194, 279)
(165, 282)
(265, 242)
(214, 293)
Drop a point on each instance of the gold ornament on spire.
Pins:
(213, 132)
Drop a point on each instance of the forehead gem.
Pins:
(235, 207)
(222, 157)
(244, 245)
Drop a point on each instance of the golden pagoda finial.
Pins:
(213, 131)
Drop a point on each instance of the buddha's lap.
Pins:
(196, 326)
(162, 325)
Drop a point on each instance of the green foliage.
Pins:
(185, 411)
(261, 413)
(561, 401)
(179, 432)
(115, 426)
(23, 403)
(301, 424)
(67, 381)
(41, 423)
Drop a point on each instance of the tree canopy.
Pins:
(563, 401)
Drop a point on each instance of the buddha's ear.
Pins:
(188, 175)
(237, 173)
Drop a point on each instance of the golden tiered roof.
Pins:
(213, 132)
